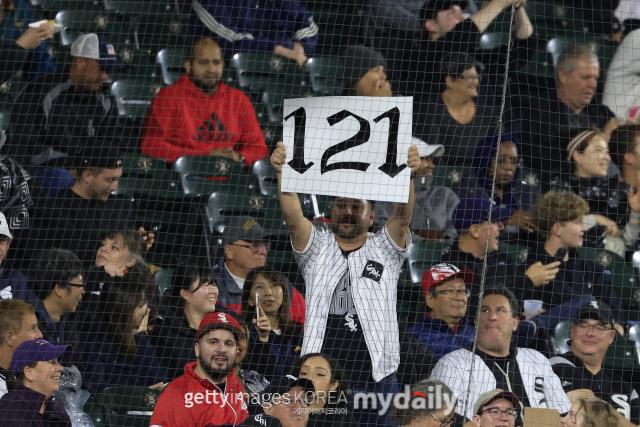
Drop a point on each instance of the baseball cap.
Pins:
(97, 47)
(440, 273)
(243, 228)
(596, 310)
(476, 210)
(491, 396)
(285, 383)
(33, 351)
(219, 320)
(103, 157)
(426, 150)
(4, 226)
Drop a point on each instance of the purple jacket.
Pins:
(21, 408)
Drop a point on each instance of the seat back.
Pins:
(421, 256)
(171, 62)
(266, 177)
(257, 72)
(164, 279)
(208, 174)
(127, 406)
(134, 96)
(560, 337)
(326, 75)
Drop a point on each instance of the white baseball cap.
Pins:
(96, 47)
(426, 150)
(4, 226)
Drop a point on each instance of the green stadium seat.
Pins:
(325, 205)
(127, 406)
(58, 5)
(266, 177)
(171, 62)
(560, 338)
(5, 119)
(163, 279)
(257, 72)
(134, 96)
(158, 7)
(77, 22)
(421, 256)
(271, 102)
(620, 354)
(517, 252)
(155, 31)
(326, 75)
(238, 202)
(493, 40)
(447, 176)
(621, 274)
(138, 166)
(207, 174)
(554, 18)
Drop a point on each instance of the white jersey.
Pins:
(373, 270)
(541, 384)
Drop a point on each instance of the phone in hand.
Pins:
(257, 305)
(155, 230)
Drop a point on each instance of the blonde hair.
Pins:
(598, 413)
(11, 313)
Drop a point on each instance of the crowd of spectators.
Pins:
(236, 341)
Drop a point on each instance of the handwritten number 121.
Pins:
(390, 166)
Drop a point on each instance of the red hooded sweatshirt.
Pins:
(191, 401)
(183, 121)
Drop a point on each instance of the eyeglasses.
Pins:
(451, 293)
(78, 286)
(255, 246)
(496, 413)
(510, 160)
(443, 423)
(470, 77)
(600, 330)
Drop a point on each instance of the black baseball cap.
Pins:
(243, 228)
(103, 157)
(284, 384)
(596, 310)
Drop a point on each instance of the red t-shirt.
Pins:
(191, 401)
(183, 121)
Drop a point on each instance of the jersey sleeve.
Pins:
(394, 254)
(556, 395)
(447, 370)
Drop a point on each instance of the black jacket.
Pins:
(12, 58)
(576, 277)
(53, 113)
(21, 408)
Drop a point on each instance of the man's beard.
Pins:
(344, 234)
(204, 86)
(216, 374)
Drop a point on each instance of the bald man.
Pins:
(199, 115)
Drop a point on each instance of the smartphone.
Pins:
(155, 230)
(257, 304)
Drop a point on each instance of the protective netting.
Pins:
(143, 224)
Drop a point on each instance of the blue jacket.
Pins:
(439, 338)
(13, 285)
(21, 408)
(105, 365)
(254, 25)
(285, 349)
(14, 25)
(519, 195)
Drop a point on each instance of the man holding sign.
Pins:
(351, 278)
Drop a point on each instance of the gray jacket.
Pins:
(433, 209)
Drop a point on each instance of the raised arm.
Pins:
(485, 16)
(299, 226)
(524, 27)
(398, 224)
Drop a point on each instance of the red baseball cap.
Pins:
(441, 273)
(219, 320)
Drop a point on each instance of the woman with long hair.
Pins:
(592, 412)
(265, 303)
(114, 344)
(329, 404)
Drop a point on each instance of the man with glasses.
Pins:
(56, 279)
(581, 369)
(445, 328)
(496, 408)
(246, 245)
(498, 364)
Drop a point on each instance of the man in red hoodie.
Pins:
(207, 394)
(200, 115)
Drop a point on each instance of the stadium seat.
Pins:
(634, 336)
(422, 255)
(127, 406)
(155, 31)
(560, 338)
(159, 7)
(326, 75)
(493, 40)
(325, 205)
(163, 280)
(134, 96)
(266, 177)
(239, 202)
(604, 49)
(517, 252)
(620, 354)
(5, 120)
(621, 274)
(204, 175)
(257, 72)
(271, 102)
(58, 5)
(447, 176)
(138, 166)
(554, 18)
(77, 22)
(171, 62)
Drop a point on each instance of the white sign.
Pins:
(348, 146)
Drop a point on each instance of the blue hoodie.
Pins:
(518, 195)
